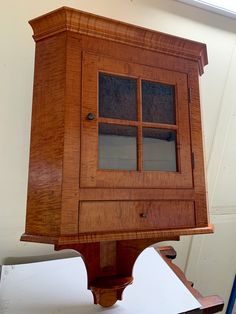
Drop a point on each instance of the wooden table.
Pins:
(210, 304)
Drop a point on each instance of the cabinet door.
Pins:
(135, 126)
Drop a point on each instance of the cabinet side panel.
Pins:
(47, 131)
(71, 161)
(197, 149)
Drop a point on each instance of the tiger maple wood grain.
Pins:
(68, 19)
(111, 216)
(70, 47)
(91, 176)
(47, 138)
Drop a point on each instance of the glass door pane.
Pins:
(158, 102)
(117, 147)
(117, 97)
(159, 150)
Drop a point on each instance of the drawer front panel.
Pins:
(109, 216)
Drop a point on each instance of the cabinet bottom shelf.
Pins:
(115, 236)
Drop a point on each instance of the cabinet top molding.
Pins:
(68, 19)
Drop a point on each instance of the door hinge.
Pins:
(193, 160)
(189, 94)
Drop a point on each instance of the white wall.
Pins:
(218, 95)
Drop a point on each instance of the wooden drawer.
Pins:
(108, 216)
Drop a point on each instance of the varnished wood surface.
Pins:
(68, 19)
(107, 290)
(109, 216)
(55, 165)
(112, 236)
(109, 274)
(197, 149)
(136, 194)
(47, 137)
(210, 304)
(112, 216)
(71, 152)
(132, 54)
(93, 177)
(137, 123)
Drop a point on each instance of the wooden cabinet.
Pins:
(116, 160)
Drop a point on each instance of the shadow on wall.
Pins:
(195, 14)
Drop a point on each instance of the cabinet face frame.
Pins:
(90, 175)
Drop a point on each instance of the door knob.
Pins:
(90, 116)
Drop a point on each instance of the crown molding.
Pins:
(68, 19)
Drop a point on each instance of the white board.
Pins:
(60, 286)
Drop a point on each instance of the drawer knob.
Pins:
(143, 215)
